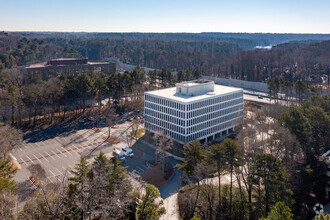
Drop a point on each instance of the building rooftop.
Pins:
(170, 93)
(45, 64)
(195, 87)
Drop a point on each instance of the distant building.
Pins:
(68, 61)
(70, 67)
(196, 110)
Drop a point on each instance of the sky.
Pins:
(267, 16)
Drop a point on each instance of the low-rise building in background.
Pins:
(70, 67)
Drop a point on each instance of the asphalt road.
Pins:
(138, 165)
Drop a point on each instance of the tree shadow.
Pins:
(25, 190)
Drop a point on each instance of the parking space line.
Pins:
(29, 158)
(76, 148)
(140, 169)
(52, 173)
(84, 145)
(56, 154)
(29, 145)
(64, 169)
(50, 180)
(61, 152)
(37, 144)
(49, 155)
(44, 157)
(59, 171)
(73, 150)
(37, 158)
(67, 151)
(24, 162)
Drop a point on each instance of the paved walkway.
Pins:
(172, 208)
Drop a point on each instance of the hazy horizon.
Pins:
(137, 32)
(147, 16)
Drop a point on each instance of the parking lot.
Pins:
(58, 149)
(58, 154)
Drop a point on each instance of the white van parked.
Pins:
(128, 151)
(120, 154)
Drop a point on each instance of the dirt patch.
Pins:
(111, 139)
(15, 165)
(154, 176)
(137, 153)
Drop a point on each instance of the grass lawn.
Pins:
(138, 133)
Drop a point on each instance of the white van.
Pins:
(120, 154)
(128, 151)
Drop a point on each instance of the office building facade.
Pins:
(196, 110)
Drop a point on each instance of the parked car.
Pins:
(128, 151)
(81, 121)
(260, 97)
(120, 154)
(90, 119)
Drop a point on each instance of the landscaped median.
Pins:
(156, 175)
(138, 133)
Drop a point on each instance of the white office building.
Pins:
(196, 110)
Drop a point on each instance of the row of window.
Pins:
(164, 109)
(213, 115)
(195, 113)
(162, 116)
(214, 122)
(181, 130)
(213, 108)
(212, 130)
(206, 117)
(196, 136)
(155, 128)
(192, 106)
(164, 102)
(165, 124)
(213, 101)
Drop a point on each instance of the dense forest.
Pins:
(274, 162)
(275, 167)
(225, 55)
(244, 40)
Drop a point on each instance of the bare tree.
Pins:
(163, 143)
(10, 138)
(14, 79)
(129, 139)
(111, 118)
(135, 127)
(37, 171)
(52, 199)
(137, 97)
